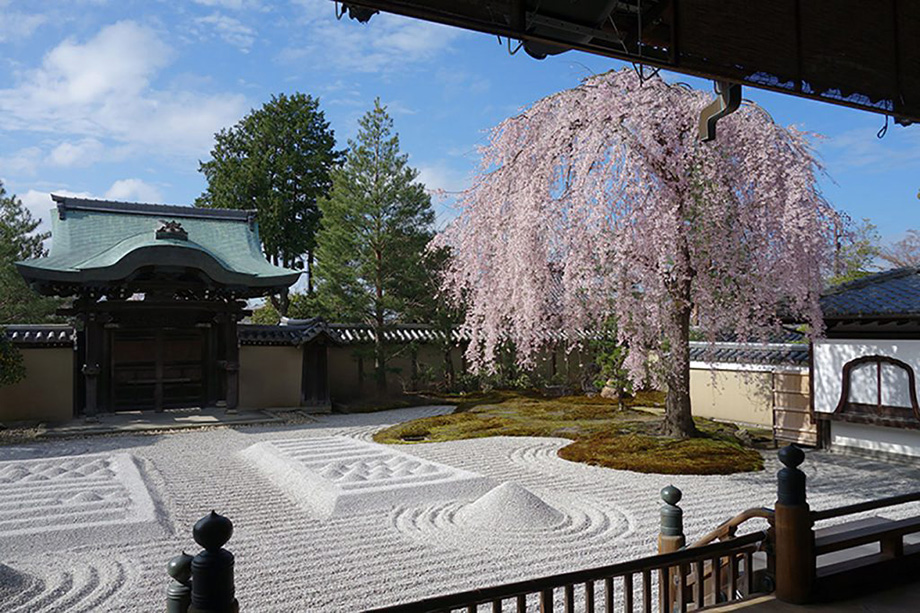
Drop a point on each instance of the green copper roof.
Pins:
(98, 242)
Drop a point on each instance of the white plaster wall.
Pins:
(876, 438)
(830, 355)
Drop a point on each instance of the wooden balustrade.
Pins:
(894, 561)
(618, 582)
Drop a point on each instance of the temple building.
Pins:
(157, 294)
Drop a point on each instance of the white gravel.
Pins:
(546, 515)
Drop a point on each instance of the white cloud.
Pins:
(17, 26)
(386, 43)
(102, 88)
(133, 190)
(441, 177)
(23, 162)
(85, 152)
(232, 31)
(860, 148)
(444, 183)
(229, 4)
(395, 107)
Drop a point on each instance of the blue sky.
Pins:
(120, 99)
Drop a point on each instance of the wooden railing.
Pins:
(862, 507)
(893, 557)
(613, 588)
(728, 528)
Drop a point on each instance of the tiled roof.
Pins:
(894, 293)
(101, 242)
(788, 354)
(291, 332)
(50, 335)
(421, 333)
(784, 335)
(406, 333)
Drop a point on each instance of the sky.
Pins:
(121, 99)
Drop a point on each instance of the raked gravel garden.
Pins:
(326, 520)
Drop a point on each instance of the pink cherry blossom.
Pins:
(601, 200)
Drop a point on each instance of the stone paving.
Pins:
(290, 557)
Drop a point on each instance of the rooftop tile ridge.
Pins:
(873, 279)
(149, 208)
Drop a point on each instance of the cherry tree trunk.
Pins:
(678, 420)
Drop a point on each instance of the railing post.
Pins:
(795, 540)
(179, 592)
(212, 569)
(670, 538)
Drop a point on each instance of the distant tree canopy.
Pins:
(371, 249)
(276, 160)
(856, 249)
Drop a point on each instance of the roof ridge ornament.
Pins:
(171, 229)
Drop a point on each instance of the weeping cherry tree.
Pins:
(601, 201)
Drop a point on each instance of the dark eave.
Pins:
(852, 53)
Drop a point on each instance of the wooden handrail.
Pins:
(869, 534)
(534, 586)
(870, 505)
(728, 527)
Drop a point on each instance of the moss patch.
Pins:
(602, 435)
(650, 454)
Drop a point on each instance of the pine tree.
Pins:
(18, 303)
(377, 222)
(20, 241)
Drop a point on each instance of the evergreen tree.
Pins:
(377, 222)
(20, 241)
(277, 161)
(18, 303)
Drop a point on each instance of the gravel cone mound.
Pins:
(509, 507)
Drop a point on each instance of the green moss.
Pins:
(650, 454)
(601, 434)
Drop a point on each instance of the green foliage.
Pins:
(304, 306)
(857, 247)
(265, 315)
(276, 160)
(377, 222)
(20, 241)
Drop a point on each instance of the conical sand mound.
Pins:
(507, 507)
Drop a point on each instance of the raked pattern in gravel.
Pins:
(558, 516)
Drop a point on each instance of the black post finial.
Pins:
(790, 480)
(213, 590)
(672, 516)
(179, 592)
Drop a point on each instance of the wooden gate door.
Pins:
(157, 368)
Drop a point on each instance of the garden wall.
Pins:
(46, 393)
(767, 396)
(270, 376)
